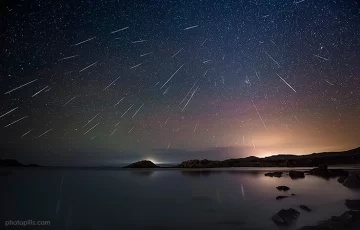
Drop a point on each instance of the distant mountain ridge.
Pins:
(311, 160)
(350, 152)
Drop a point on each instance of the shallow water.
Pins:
(164, 199)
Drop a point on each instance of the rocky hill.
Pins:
(142, 164)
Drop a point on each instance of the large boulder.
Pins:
(353, 204)
(323, 167)
(341, 179)
(352, 181)
(286, 216)
(142, 164)
(283, 188)
(306, 208)
(273, 174)
(296, 174)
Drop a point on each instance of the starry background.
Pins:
(251, 78)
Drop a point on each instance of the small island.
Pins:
(142, 164)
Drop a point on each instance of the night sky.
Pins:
(107, 82)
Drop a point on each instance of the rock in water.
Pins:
(283, 188)
(341, 179)
(296, 174)
(280, 197)
(352, 181)
(306, 208)
(353, 204)
(323, 167)
(286, 217)
(273, 174)
(142, 164)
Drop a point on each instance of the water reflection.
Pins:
(208, 172)
(199, 173)
(144, 173)
(169, 199)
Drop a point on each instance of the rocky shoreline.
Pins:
(349, 220)
(349, 180)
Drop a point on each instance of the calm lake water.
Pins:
(164, 199)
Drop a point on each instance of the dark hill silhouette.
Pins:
(312, 160)
(14, 163)
(142, 164)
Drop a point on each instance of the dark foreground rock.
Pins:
(296, 174)
(352, 181)
(286, 216)
(281, 197)
(283, 188)
(142, 164)
(341, 179)
(274, 174)
(306, 208)
(349, 220)
(353, 204)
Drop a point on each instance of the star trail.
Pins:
(95, 81)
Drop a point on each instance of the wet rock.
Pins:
(306, 208)
(293, 194)
(273, 174)
(283, 188)
(353, 204)
(286, 216)
(296, 174)
(281, 197)
(341, 179)
(338, 172)
(322, 167)
(352, 181)
(346, 216)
